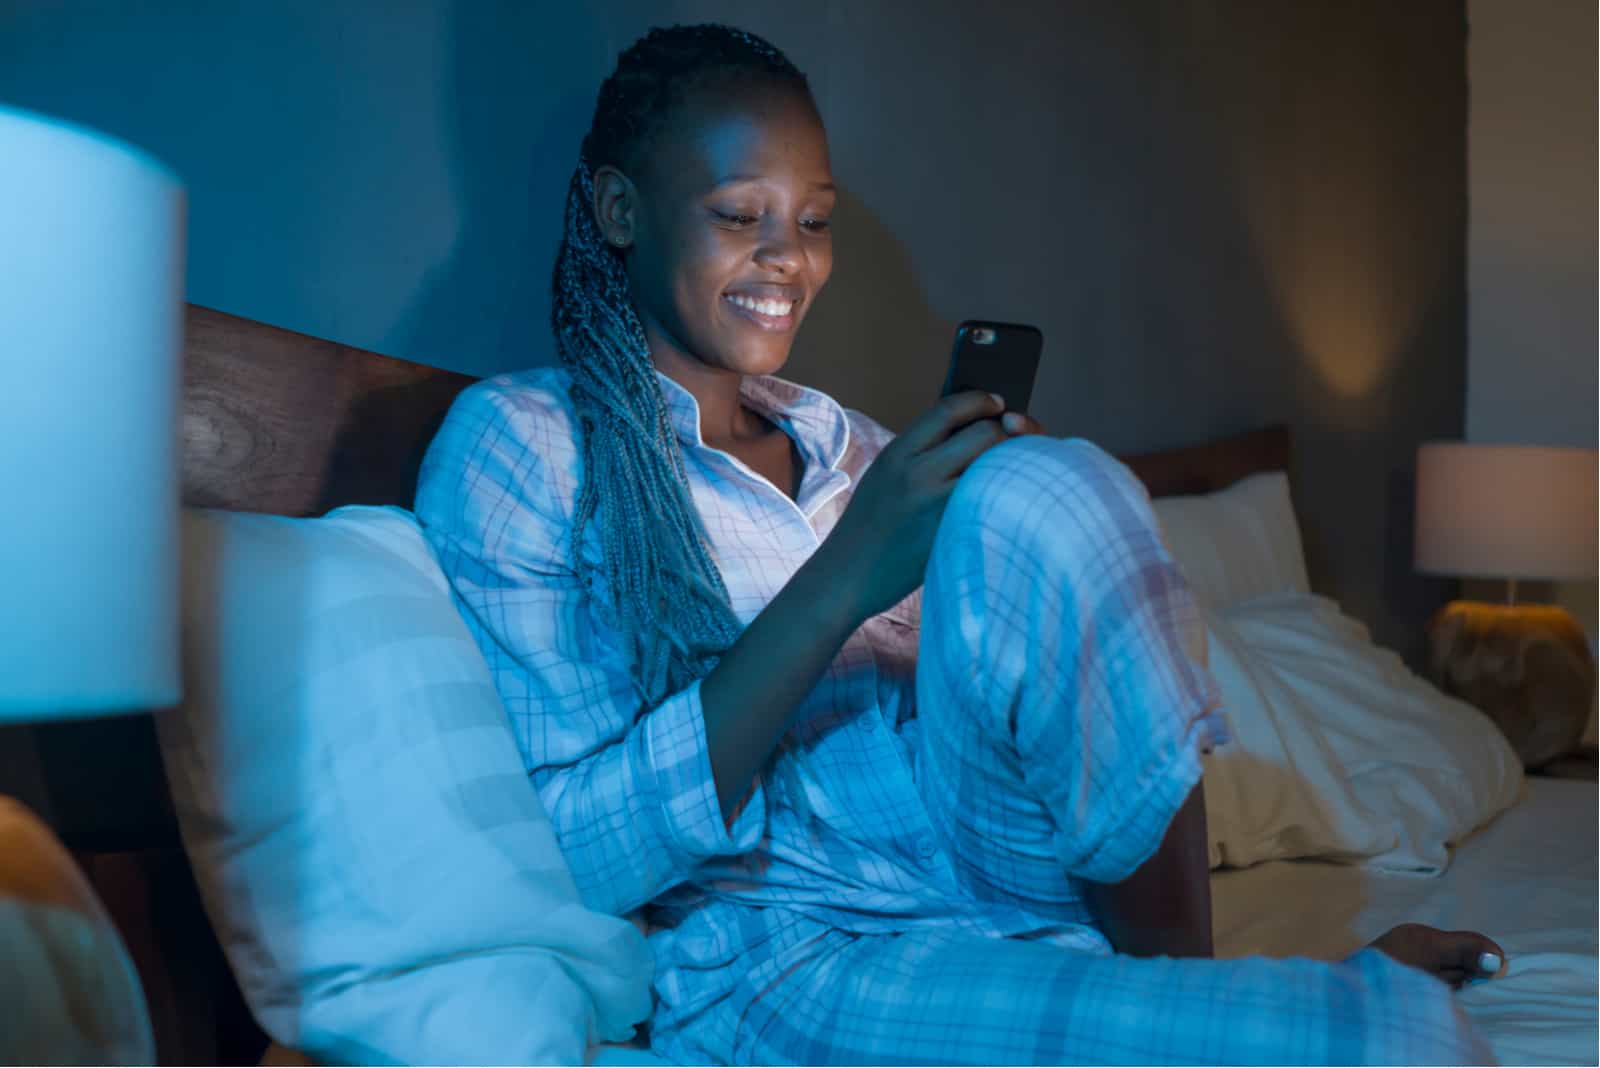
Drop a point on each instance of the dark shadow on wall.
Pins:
(871, 341)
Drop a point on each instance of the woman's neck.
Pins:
(723, 420)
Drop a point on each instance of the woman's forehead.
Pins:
(772, 135)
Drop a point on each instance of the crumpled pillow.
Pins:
(1337, 750)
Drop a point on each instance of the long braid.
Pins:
(666, 596)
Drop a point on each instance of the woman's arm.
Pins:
(748, 697)
(628, 790)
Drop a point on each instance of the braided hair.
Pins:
(666, 597)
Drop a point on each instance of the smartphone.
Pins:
(996, 358)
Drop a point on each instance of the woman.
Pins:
(874, 824)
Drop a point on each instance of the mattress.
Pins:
(1527, 880)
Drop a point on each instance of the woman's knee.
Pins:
(1055, 487)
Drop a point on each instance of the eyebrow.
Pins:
(738, 179)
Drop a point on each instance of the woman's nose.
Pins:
(779, 251)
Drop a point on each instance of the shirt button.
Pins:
(869, 720)
(925, 848)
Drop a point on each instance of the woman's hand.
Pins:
(1454, 956)
(879, 549)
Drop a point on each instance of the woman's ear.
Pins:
(615, 200)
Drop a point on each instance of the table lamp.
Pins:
(1511, 512)
(91, 321)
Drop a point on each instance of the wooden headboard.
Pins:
(275, 421)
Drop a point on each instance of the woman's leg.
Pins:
(941, 997)
(1063, 704)
(1062, 697)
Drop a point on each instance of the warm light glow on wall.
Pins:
(1353, 263)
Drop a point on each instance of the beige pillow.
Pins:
(1238, 543)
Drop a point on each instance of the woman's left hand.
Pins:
(1453, 956)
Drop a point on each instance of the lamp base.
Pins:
(71, 993)
(1527, 667)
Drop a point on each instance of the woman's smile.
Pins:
(771, 308)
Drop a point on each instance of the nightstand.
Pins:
(1581, 764)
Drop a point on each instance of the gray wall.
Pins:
(1221, 214)
(1531, 339)
(1531, 369)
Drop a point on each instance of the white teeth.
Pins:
(776, 308)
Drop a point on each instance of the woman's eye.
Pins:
(816, 226)
(736, 218)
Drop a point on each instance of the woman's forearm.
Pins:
(749, 697)
(1164, 907)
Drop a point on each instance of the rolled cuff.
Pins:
(679, 761)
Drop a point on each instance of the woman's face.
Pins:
(730, 239)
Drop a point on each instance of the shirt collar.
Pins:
(813, 419)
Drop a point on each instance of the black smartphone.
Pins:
(997, 358)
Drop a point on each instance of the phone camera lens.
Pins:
(982, 336)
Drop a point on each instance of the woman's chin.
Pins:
(768, 366)
(756, 359)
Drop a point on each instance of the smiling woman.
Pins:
(706, 279)
(877, 729)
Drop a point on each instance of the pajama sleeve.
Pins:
(628, 789)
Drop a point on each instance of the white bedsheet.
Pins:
(1528, 880)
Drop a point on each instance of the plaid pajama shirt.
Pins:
(905, 882)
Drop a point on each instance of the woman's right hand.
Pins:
(879, 549)
(874, 557)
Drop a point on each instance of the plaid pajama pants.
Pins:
(1033, 786)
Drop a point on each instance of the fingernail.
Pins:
(999, 400)
(1012, 422)
(1489, 963)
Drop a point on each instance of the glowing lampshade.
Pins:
(1506, 511)
(91, 323)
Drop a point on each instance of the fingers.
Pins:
(948, 459)
(948, 416)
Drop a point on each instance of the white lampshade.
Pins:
(91, 326)
(1506, 511)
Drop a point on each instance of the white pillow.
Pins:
(1238, 543)
(1337, 750)
(376, 864)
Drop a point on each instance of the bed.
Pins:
(282, 423)
(1527, 879)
